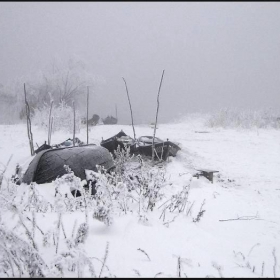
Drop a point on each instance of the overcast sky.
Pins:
(215, 54)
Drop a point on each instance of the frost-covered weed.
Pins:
(74, 260)
(246, 119)
(140, 178)
(81, 234)
(35, 201)
(122, 159)
(177, 203)
(62, 118)
(18, 258)
(134, 186)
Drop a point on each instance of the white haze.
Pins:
(214, 54)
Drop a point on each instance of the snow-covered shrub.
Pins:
(63, 118)
(177, 202)
(148, 183)
(247, 119)
(23, 256)
(122, 159)
(139, 176)
(133, 185)
(35, 201)
(74, 260)
(9, 191)
(200, 213)
(18, 258)
(81, 234)
(104, 195)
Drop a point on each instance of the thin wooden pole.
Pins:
(130, 109)
(87, 111)
(116, 111)
(153, 145)
(74, 126)
(51, 130)
(29, 132)
(50, 124)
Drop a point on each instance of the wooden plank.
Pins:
(207, 170)
(207, 173)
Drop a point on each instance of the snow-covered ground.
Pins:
(238, 234)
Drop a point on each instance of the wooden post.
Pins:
(116, 111)
(130, 109)
(29, 132)
(51, 130)
(50, 124)
(74, 126)
(153, 144)
(87, 110)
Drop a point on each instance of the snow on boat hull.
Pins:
(162, 150)
(48, 165)
(142, 146)
(120, 139)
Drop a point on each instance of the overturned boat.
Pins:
(48, 165)
(66, 143)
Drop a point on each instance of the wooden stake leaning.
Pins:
(153, 144)
(50, 124)
(130, 109)
(87, 111)
(28, 122)
(74, 126)
(51, 130)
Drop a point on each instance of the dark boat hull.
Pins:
(143, 146)
(162, 150)
(173, 149)
(48, 165)
(112, 143)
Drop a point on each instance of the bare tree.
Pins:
(28, 121)
(130, 109)
(153, 144)
(67, 81)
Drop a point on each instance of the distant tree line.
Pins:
(61, 83)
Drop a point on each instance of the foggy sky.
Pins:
(215, 54)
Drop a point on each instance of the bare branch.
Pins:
(144, 253)
(275, 262)
(179, 267)
(243, 218)
(105, 258)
